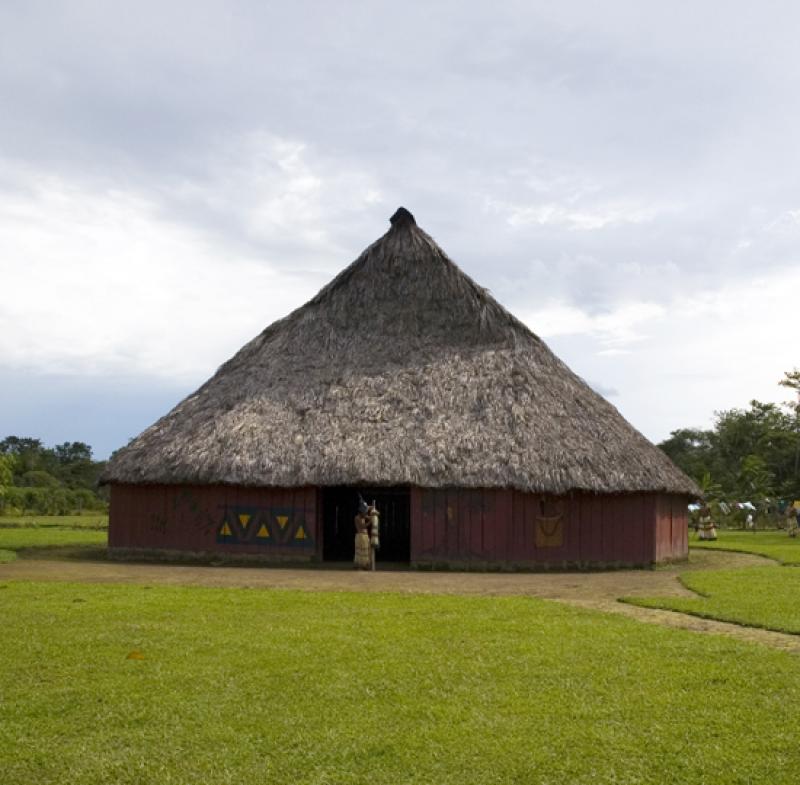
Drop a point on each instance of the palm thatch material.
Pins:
(402, 370)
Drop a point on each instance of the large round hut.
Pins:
(406, 382)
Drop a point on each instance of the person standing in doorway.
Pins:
(363, 552)
(374, 534)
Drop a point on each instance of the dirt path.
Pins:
(598, 591)
(567, 586)
(683, 621)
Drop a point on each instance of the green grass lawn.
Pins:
(87, 521)
(13, 540)
(757, 597)
(776, 545)
(252, 686)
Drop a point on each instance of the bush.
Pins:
(38, 479)
(51, 501)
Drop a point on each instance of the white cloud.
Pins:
(277, 192)
(587, 219)
(101, 281)
(614, 329)
(676, 363)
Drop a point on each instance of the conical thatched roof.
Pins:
(402, 370)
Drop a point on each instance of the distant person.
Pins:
(792, 520)
(749, 522)
(362, 559)
(706, 529)
(374, 533)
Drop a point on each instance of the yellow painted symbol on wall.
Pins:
(263, 532)
(301, 533)
(225, 531)
(282, 520)
(549, 532)
(244, 520)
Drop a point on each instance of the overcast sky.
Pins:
(174, 176)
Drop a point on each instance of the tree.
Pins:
(791, 379)
(26, 452)
(750, 453)
(57, 472)
(692, 450)
(756, 477)
(72, 452)
(6, 478)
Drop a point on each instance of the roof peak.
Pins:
(402, 217)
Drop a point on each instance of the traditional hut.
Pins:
(405, 381)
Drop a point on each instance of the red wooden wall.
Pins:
(275, 523)
(450, 526)
(489, 527)
(672, 528)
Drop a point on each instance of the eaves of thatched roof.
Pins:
(402, 370)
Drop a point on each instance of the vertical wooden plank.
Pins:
(472, 509)
(450, 525)
(638, 522)
(427, 504)
(310, 513)
(648, 529)
(495, 532)
(661, 550)
(596, 511)
(131, 527)
(572, 514)
(592, 540)
(447, 525)
(528, 550)
(515, 526)
(415, 534)
(138, 533)
(414, 530)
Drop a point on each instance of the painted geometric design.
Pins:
(225, 533)
(266, 527)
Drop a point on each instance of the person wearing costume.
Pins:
(706, 530)
(363, 554)
(792, 521)
(374, 534)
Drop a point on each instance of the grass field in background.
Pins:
(766, 597)
(776, 545)
(255, 686)
(85, 521)
(13, 540)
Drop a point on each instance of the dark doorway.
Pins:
(339, 508)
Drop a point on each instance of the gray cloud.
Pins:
(580, 157)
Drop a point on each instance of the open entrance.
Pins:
(339, 509)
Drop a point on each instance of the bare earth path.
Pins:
(598, 591)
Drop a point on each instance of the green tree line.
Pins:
(60, 480)
(749, 454)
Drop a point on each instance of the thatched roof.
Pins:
(402, 370)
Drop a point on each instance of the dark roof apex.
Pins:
(402, 217)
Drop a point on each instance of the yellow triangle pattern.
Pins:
(301, 533)
(225, 531)
(282, 520)
(263, 531)
(244, 520)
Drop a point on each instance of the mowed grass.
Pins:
(87, 521)
(13, 540)
(252, 686)
(766, 597)
(776, 545)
